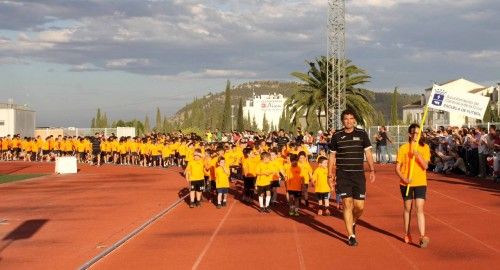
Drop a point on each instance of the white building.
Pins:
(414, 112)
(269, 105)
(16, 119)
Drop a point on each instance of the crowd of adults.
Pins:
(465, 151)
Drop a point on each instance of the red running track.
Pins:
(60, 222)
(462, 220)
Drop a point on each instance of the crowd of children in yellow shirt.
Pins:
(263, 169)
(209, 167)
(42, 149)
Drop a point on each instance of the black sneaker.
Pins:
(262, 210)
(266, 209)
(198, 204)
(224, 204)
(191, 205)
(219, 206)
(352, 241)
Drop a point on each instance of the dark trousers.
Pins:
(473, 161)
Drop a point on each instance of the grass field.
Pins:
(7, 178)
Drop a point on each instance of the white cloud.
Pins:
(55, 36)
(489, 55)
(12, 61)
(381, 3)
(482, 15)
(84, 67)
(229, 37)
(127, 62)
(209, 74)
(11, 3)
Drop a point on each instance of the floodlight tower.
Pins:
(336, 81)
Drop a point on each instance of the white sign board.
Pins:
(66, 165)
(466, 104)
(125, 132)
(272, 105)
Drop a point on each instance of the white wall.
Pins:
(7, 117)
(24, 123)
(415, 114)
(17, 122)
(270, 105)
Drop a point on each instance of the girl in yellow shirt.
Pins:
(417, 181)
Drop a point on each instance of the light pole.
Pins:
(232, 118)
(498, 98)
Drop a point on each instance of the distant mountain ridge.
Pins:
(211, 105)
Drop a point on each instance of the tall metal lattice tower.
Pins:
(336, 82)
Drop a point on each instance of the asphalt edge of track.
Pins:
(131, 235)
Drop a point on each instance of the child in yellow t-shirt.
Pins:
(165, 154)
(307, 171)
(156, 149)
(222, 182)
(80, 148)
(195, 176)
(264, 171)
(249, 164)
(294, 182)
(322, 186)
(279, 166)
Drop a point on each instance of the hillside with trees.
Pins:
(208, 111)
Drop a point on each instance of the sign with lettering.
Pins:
(271, 104)
(467, 104)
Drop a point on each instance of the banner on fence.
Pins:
(466, 104)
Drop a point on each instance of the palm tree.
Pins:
(313, 95)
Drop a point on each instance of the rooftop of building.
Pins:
(15, 106)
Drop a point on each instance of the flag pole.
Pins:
(412, 163)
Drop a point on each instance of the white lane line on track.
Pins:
(212, 238)
(398, 250)
(448, 224)
(464, 233)
(299, 247)
(131, 235)
(466, 203)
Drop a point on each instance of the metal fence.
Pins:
(88, 131)
(399, 135)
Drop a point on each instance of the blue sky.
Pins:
(67, 58)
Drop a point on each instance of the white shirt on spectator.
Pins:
(482, 148)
